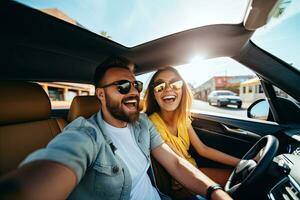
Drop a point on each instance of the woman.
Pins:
(167, 102)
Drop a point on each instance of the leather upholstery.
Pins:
(84, 106)
(19, 140)
(24, 122)
(61, 123)
(164, 180)
(220, 176)
(22, 102)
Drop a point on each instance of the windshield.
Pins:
(132, 22)
(280, 36)
(225, 94)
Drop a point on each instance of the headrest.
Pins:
(84, 106)
(23, 102)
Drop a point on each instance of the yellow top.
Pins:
(181, 142)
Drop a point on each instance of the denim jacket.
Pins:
(89, 152)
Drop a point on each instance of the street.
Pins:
(231, 110)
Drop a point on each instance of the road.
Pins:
(231, 110)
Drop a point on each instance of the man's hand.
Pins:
(38, 180)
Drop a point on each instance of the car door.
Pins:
(228, 134)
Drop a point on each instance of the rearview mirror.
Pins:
(259, 110)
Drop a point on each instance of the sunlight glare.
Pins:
(196, 59)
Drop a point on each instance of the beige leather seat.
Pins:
(25, 124)
(84, 106)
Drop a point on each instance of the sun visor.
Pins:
(259, 12)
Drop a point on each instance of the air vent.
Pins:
(285, 190)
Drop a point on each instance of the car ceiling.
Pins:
(36, 46)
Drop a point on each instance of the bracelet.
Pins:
(211, 189)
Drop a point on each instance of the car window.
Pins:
(120, 20)
(219, 86)
(280, 36)
(225, 94)
(280, 93)
(61, 94)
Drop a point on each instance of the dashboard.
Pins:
(293, 143)
(292, 149)
(287, 166)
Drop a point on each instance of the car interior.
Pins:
(44, 48)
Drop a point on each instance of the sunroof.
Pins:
(133, 22)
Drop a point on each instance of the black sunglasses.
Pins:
(124, 86)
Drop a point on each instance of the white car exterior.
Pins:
(224, 98)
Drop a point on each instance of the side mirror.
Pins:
(259, 110)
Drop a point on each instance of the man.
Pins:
(108, 155)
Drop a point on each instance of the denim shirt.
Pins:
(88, 151)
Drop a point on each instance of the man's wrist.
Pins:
(211, 189)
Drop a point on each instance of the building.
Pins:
(231, 83)
(61, 94)
(251, 90)
(60, 15)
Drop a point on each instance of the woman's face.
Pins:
(168, 90)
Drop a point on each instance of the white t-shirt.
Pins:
(135, 160)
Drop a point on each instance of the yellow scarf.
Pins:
(181, 142)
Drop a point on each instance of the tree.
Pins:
(105, 34)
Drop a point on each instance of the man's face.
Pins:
(123, 107)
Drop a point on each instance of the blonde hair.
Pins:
(183, 113)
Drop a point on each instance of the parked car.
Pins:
(38, 47)
(224, 98)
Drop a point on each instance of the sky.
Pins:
(133, 22)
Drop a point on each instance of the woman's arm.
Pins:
(209, 152)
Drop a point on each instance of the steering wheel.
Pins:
(249, 171)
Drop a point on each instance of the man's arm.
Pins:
(38, 180)
(52, 172)
(185, 173)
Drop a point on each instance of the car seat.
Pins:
(25, 123)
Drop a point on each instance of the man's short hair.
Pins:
(117, 61)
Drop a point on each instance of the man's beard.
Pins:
(115, 109)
